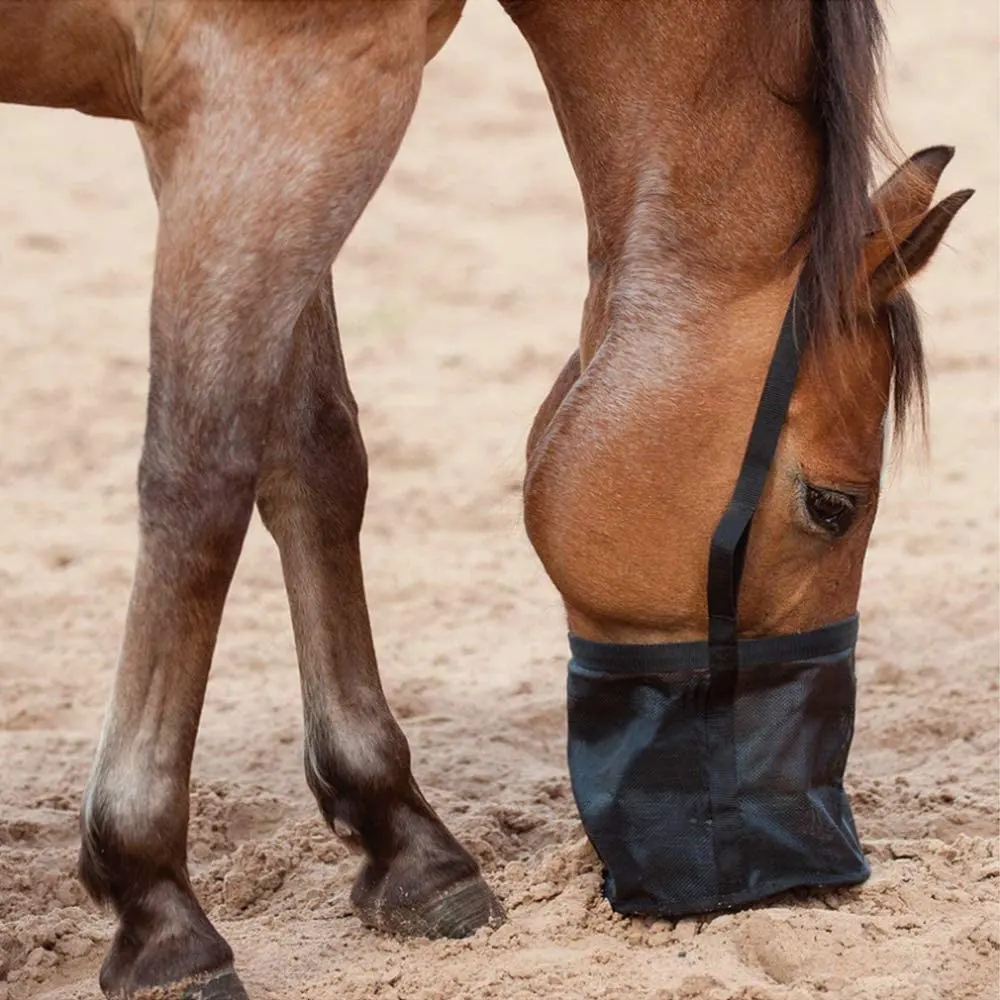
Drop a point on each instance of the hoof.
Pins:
(455, 912)
(223, 986)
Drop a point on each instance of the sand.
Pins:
(459, 297)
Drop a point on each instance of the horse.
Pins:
(724, 155)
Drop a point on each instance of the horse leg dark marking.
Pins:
(417, 879)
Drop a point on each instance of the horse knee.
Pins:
(196, 498)
(316, 468)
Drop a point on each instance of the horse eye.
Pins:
(830, 510)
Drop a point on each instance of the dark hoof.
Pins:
(455, 912)
(223, 985)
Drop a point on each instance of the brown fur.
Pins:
(631, 462)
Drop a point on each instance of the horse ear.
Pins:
(908, 257)
(907, 193)
(902, 201)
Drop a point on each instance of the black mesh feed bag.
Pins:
(709, 775)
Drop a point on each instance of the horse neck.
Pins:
(696, 177)
(696, 180)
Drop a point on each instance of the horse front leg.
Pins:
(209, 401)
(417, 879)
(263, 157)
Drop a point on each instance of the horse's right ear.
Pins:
(910, 256)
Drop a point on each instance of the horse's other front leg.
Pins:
(417, 879)
(272, 128)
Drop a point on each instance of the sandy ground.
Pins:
(459, 298)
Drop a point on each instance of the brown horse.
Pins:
(723, 152)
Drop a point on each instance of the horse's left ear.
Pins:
(906, 229)
(908, 257)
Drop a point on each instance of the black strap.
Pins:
(725, 572)
(725, 565)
